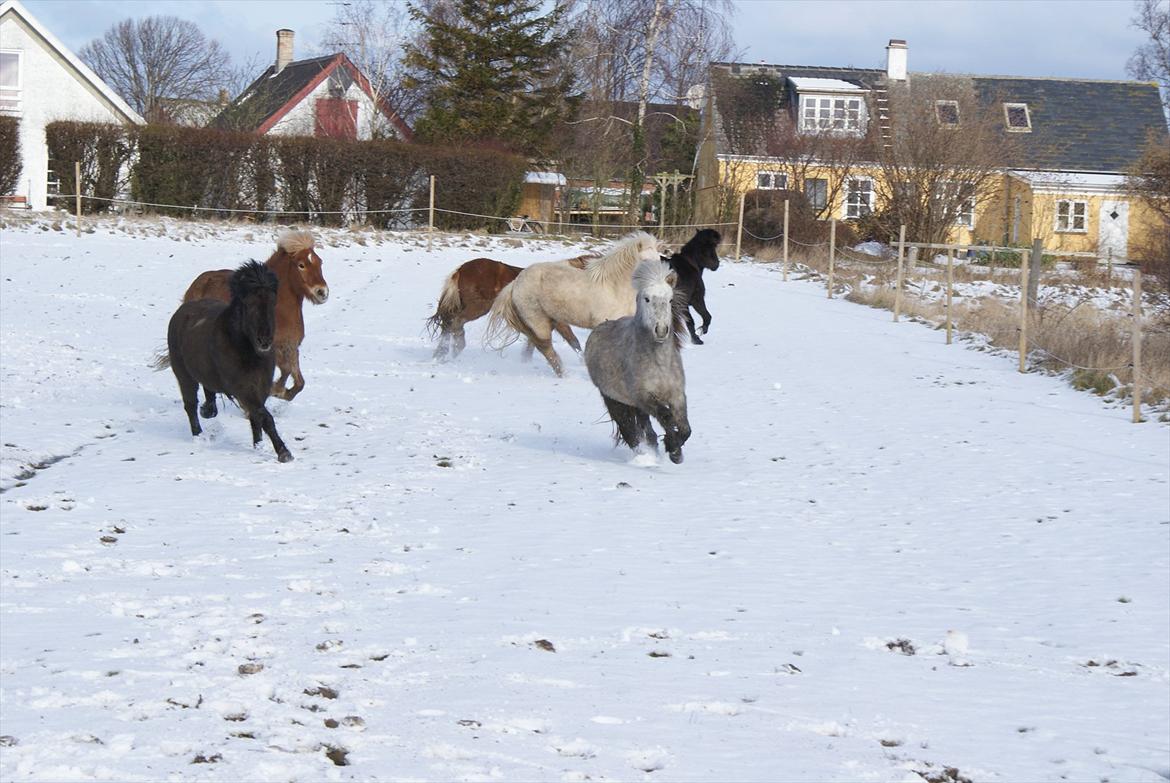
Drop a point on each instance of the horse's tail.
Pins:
(161, 361)
(450, 304)
(505, 325)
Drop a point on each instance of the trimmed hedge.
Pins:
(10, 165)
(328, 180)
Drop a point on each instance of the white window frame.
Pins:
(965, 215)
(833, 113)
(938, 116)
(1007, 120)
(769, 179)
(811, 202)
(850, 209)
(1074, 210)
(15, 94)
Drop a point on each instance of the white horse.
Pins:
(636, 364)
(550, 293)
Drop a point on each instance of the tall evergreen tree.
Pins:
(492, 71)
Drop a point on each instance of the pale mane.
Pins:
(618, 264)
(293, 241)
(650, 272)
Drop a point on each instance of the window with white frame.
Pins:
(858, 198)
(959, 198)
(1017, 117)
(771, 180)
(10, 81)
(816, 192)
(947, 113)
(831, 112)
(1072, 216)
(965, 214)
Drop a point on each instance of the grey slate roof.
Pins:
(1077, 124)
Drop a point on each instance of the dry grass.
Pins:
(1090, 347)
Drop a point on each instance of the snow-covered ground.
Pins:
(884, 558)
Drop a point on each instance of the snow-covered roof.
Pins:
(810, 84)
(544, 178)
(82, 69)
(1071, 181)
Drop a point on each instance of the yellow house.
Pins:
(1050, 154)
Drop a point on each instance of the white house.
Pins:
(323, 96)
(41, 81)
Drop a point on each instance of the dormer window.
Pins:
(1017, 118)
(832, 113)
(947, 113)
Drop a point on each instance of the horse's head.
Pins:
(304, 265)
(253, 305)
(702, 249)
(654, 282)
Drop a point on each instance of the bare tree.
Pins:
(943, 162)
(373, 34)
(1151, 60)
(158, 57)
(1149, 183)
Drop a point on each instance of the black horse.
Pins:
(228, 349)
(697, 254)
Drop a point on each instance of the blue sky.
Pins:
(1072, 38)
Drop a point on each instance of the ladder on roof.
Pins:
(881, 97)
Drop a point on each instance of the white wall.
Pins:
(52, 90)
(301, 120)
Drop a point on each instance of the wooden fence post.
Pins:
(1024, 314)
(431, 216)
(739, 230)
(1137, 345)
(661, 209)
(1034, 261)
(832, 253)
(77, 191)
(898, 283)
(950, 288)
(785, 240)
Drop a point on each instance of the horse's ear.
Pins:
(672, 278)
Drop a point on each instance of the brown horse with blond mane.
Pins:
(298, 268)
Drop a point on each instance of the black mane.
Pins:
(252, 276)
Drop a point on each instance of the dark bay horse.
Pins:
(298, 268)
(636, 364)
(228, 348)
(699, 253)
(468, 294)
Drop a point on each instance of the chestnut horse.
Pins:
(468, 294)
(298, 268)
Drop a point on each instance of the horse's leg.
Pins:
(298, 378)
(209, 410)
(526, 353)
(261, 419)
(626, 419)
(443, 347)
(189, 389)
(647, 429)
(460, 339)
(554, 359)
(691, 326)
(676, 430)
(699, 302)
(566, 332)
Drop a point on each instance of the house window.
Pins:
(858, 198)
(1071, 216)
(826, 112)
(10, 84)
(816, 192)
(771, 180)
(947, 113)
(959, 198)
(1017, 118)
(966, 214)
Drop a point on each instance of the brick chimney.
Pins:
(896, 55)
(284, 49)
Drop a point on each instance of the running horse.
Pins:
(298, 268)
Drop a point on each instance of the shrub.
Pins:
(103, 150)
(763, 221)
(10, 164)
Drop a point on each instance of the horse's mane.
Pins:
(704, 236)
(252, 276)
(618, 264)
(293, 241)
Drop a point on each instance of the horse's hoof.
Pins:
(284, 456)
(676, 456)
(696, 341)
(208, 413)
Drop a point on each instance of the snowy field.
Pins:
(884, 558)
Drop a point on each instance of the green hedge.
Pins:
(10, 164)
(327, 180)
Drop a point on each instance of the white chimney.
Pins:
(284, 49)
(896, 54)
